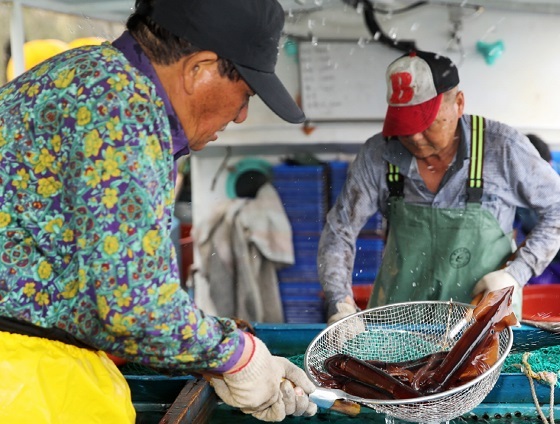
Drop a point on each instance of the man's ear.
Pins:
(196, 67)
(460, 102)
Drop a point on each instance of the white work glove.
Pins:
(296, 400)
(343, 309)
(263, 387)
(350, 329)
(497, 280)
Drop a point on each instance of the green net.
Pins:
(383, 345)
(546, 359)
(298, 360)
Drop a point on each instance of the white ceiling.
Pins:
(119, 10)
(533, 6)
(112, 10)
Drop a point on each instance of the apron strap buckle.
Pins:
(474, 194)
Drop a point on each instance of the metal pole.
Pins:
(17, 36)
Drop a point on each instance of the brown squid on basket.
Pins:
(473, 354)
(352, 387)
(340, 366)
(406, 370)
(492, 315)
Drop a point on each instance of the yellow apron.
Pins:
(45, 381)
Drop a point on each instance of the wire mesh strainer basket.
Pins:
(402, 332)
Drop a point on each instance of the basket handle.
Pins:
(318, 397)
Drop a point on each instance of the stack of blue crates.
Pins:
(307, 193)
(303, 191)
(555, 160)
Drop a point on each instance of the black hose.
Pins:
(377, 33)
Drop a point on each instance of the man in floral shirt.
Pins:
(88, 141)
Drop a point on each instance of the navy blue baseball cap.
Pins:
(246, 32)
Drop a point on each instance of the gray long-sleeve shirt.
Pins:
(514, 175)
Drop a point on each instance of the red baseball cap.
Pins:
(415, 86)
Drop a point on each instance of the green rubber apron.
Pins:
(439, 254)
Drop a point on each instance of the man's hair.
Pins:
(541, 146)
(163, 47)
(449, 95)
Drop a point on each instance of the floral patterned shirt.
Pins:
(86, 202)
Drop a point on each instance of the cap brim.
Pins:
(273, 93)
(408, 120)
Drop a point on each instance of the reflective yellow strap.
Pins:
(477, 152)
(393, 172)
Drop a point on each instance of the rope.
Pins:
(545, 376)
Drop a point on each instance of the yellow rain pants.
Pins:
(50, 382)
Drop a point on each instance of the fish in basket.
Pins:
(404, 360)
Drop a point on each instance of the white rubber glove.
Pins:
(344, 309)
(355, 326)
(258, 387)
(497, 280)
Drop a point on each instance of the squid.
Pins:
(346, 366)
(473, 354)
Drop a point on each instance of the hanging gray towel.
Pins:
(242, 245)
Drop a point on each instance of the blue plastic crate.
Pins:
(300, 186)
(305, 318)
(303, 197)
(338, 165)
(312, 289)
(306, 243)
(333, 194)
(304, 205)
(337, 177)
(307, 263)
(305, 252)
(302, 190)
(338, 169)
(370, 244)
(308, 303)
(335, 185)
(301, 309)
(369, 264)
(294, 275)
(369, 253)
(305, 256)
(297, 172)
(299, 271)
(306, 227)
(556, 160)
(363, 276)
(316, 213)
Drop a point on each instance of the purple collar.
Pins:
(136, 56)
